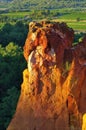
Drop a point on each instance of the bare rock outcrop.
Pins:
(53, 92)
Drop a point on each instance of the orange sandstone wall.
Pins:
(53, 92)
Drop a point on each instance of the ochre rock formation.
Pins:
(53, 92)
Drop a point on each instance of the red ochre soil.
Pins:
(53, 92)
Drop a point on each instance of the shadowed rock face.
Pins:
(53, 92)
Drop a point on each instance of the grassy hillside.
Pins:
(43, 4)
(74, 19)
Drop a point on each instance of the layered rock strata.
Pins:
(53, 92)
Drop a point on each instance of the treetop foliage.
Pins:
(10, 50)
(13, 33)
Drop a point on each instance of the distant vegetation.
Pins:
(12, 63)
(42, 4)
(75, 19)
(13, 33)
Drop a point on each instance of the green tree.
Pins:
(77, 37)
(12, 63)
(5, 34)
(8, 106)
(11, 66)
(13, 33)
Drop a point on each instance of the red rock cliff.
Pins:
(53, 92)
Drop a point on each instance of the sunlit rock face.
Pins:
(53, 92)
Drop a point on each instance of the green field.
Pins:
(74, 19)
(16, 14)
(74, 15)
(76, 25)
